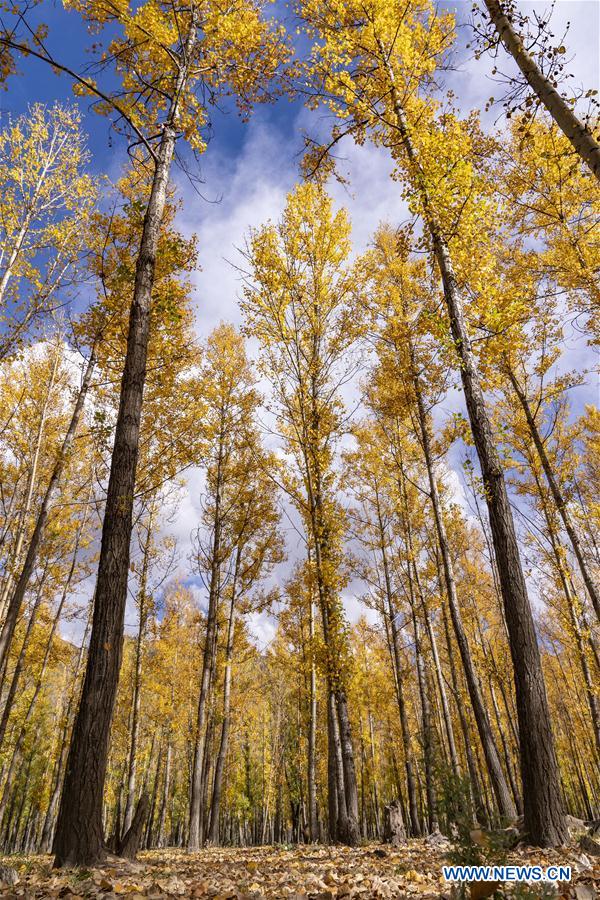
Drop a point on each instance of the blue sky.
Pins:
(248, 169)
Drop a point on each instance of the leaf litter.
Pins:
(269, 873)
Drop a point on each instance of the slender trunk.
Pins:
(563, 574)
(505, 749)
(79, 838)
(556, 492)
(350, 783)
(506, 805)
(478, 807)
(15, 756)
(195, 829)
(18, 595)
(32, 206)
(7, 602)
(332, 792)
(49, 820)
(341, 821)
(543, 819)
(411, 786)
(213, 831)
(39, 681)
(160, 841)
(561, 111)
(312, 731)
(137, 679)
(446, 715)
(374, 776)
(427, 729)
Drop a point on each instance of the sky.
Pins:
(249, 168)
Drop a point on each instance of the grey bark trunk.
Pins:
(79, 837)
(543, 814)
(409, 763)
(215, 807)
(505, 802)
(581, 138)
(556, 492)
(313, 824)
(16, 600)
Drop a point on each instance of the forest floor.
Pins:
(299, 873)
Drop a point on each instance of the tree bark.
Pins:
(195, 829)
(352, 832)
(79, 837)
(543, 815)
(581, 138)
(394, 831)
(426, 729)
(130, 843)
(18, 595)
(137, 678)
(6, 600)
(213, 831)
(313, 824)
(406, 736)
(506, 806)
(556, 492)
(564, 577)
(49, 819)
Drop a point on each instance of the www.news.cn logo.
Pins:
(507, 873)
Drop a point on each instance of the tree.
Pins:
(368, 65)
(236, 543)
(297, 305)
(46, 199)
(544, 86)
(165, 58)
(399, 298)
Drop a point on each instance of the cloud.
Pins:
(249, 183)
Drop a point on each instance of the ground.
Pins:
(300, 873)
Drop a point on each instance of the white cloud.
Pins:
(250, 188)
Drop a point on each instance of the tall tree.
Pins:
(231, 547)
(167, 59)
(297, 305)
(544, 84)
(46, 198)
(370, 65)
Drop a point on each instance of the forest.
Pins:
(313, 570)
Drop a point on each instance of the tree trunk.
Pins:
(563, 574)
(394, 831)
(561, 111)
(352, 831)
(406, 735)
(18, 595)
(18, 669)
(332, 786)
(130, 843)
(12, 769)
(478, 807)
(195, 830)
(543, 818)
(213, 831)
(506, 806)
(49, 820)
(446, 715)
(7, 604)
(557, 496)
(313, 824)
(427, 729)
(79, 837)
(160, 842)
(137, 679)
